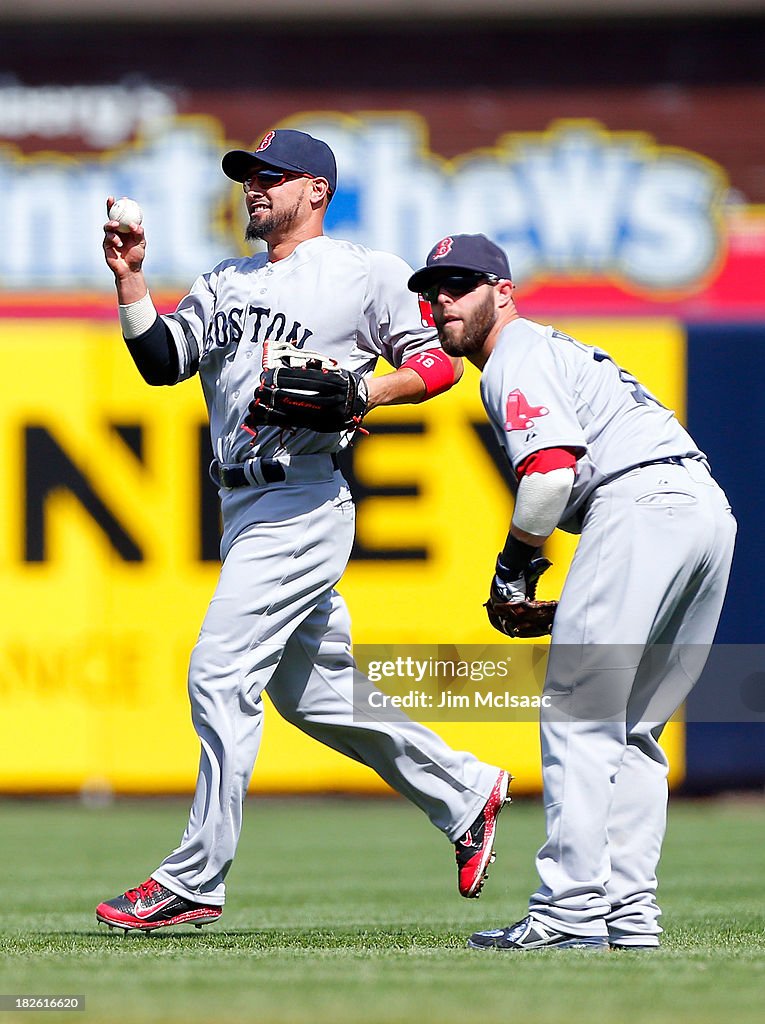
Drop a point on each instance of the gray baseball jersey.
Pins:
(543, 389)
(342, 299)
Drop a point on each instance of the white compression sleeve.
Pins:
(541, 499)
(137, 317)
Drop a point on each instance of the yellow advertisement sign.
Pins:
(106, 555)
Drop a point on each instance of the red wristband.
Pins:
(435, 369)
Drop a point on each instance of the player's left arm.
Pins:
(545, 481)
(404, 333)
(529, 399)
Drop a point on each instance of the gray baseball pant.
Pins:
(633, 630)
(276, 623)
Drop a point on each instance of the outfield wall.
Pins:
(109, 553)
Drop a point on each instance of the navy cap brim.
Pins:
(427, 276)
(238, 163)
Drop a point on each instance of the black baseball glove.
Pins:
(525, 616)
(314, 396)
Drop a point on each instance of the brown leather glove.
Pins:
(522, 618)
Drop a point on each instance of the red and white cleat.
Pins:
(475, 849)
(151, 906)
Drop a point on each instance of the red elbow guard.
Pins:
(435, 369)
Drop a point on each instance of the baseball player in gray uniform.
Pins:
(276, 621)
(592, 451)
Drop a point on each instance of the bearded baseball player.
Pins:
(591, 451)
(285, 343)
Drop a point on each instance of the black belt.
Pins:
(272, 471)
(234, 476)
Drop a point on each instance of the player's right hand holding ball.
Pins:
(124, 239)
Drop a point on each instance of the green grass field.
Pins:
(347, 912)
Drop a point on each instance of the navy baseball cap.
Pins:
(286, 150)
(461, 252)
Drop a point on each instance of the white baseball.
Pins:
(127, 212)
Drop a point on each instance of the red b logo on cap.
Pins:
(267, 140)
(443, 247)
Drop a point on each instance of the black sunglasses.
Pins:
(269, 177)
(457, 285)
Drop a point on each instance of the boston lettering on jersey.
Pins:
(256, 325)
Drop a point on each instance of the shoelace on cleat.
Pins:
(145, 889)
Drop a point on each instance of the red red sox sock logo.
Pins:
(265, 142)
(519, 415)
